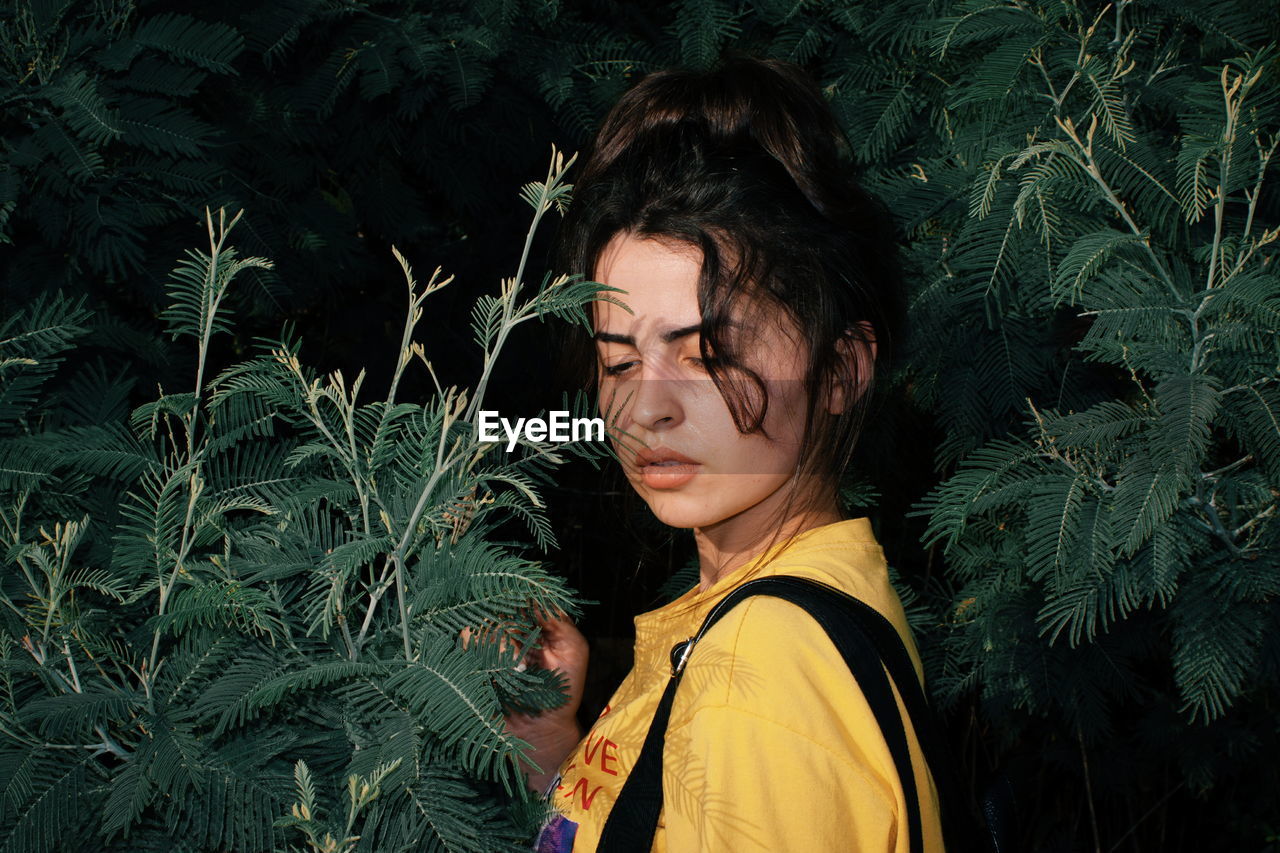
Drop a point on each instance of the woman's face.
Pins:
(669, 423)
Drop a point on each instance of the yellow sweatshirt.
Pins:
(771, 746)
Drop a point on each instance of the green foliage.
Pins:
(90, 110)
(1092, 222)
(344, 127)
(282, 589)
(1094, 488)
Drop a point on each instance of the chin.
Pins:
(687, 512)
(703, 505)
(682, 513)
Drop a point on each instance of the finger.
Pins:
(550, 621)
(505, 634)
(508, 644)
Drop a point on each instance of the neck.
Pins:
(730, 544)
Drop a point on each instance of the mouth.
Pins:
(661, 468)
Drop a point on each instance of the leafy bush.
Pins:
(1096, 240)
(342, 128)
(259, 582)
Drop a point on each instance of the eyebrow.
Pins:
(667, 337)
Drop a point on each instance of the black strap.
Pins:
(924, 722)
(634, 816)
(869, 645)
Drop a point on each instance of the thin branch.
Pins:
(1227, 469)
(1090, 166)
(1147, 814)
(1257, 519)
(375, 595)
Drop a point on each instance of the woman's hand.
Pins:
(552, 733)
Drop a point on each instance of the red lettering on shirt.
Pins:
(606, 756)
(606, 749)
(588, 752)
(586, 798)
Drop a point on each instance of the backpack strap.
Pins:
(869, 645)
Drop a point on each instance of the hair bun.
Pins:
(765, 104)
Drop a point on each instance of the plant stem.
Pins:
(375, 595)
(1264, 514)
(1147, 814)
(109, 744)
(166, 588)
(398, 573)
(511, 289)
(214, 294)
(1224, 168)
(71, 666)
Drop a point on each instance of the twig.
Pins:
(1148, 814)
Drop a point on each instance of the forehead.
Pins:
(660, 278)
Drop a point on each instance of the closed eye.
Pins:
(700, 363)
(619, 368)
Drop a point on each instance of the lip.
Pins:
(663, 468)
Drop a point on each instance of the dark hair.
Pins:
(747, 164)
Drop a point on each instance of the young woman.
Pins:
(735, 369)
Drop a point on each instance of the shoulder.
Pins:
(770, 659)
(769, 645)
(767, 682)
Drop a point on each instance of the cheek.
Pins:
(606, 399)
(610, 406)
(788, 409)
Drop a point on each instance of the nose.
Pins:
(647, 400)
(655, 403)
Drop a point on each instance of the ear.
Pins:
(856, 349)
